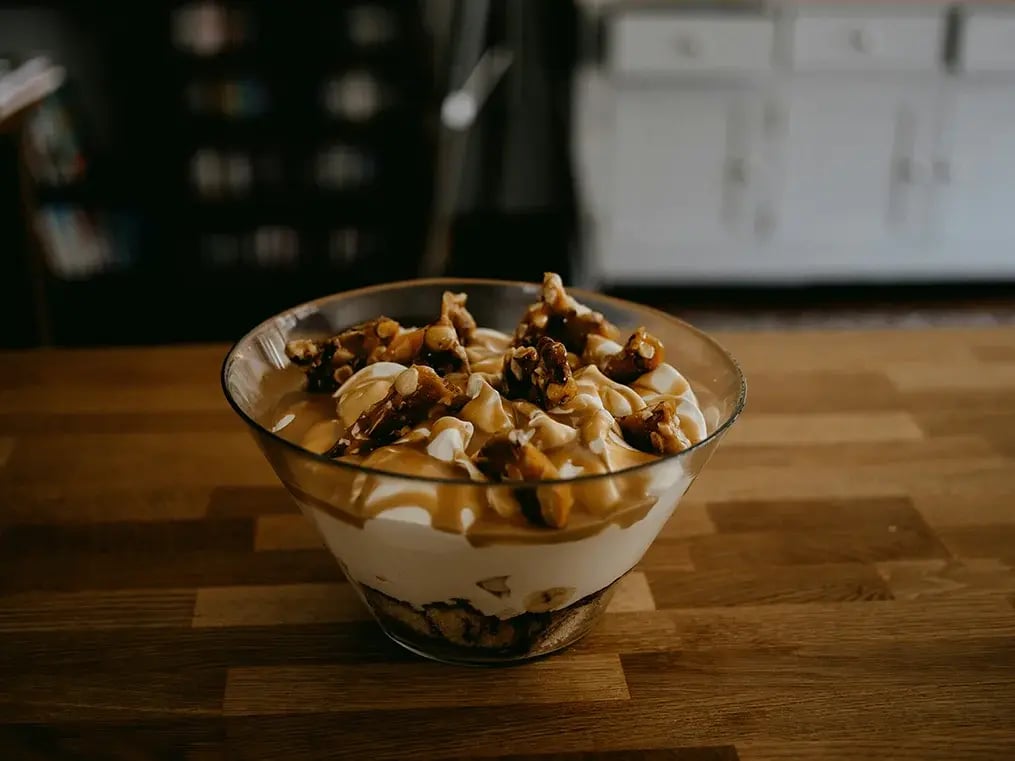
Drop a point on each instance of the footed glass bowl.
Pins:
(500, 593)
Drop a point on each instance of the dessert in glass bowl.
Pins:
(485, 459)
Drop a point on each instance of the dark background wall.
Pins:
(220, 206)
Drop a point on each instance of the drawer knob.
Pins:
(688, 46)
(862, 40)
(942, 170)
(737, 171)
(765, 222)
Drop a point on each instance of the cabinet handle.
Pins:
(764, 222)
(773, 117)
(906, 171)
(942, 170)
(688, 46)
(737, 171)
(862, 40)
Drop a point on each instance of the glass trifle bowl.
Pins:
(457, 562)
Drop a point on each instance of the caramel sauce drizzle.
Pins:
(355, 497)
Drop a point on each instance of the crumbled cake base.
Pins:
(456, 631)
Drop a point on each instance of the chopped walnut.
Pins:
(458, 383)
(331, 361)
(436, 345)
(519, 365)
(415, 395)
(315, 358)
(655, 429)
(560, 317)
(641, 354)
(541, 375)
(510, 457)
(453, 309)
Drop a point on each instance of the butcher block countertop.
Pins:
(838, 584)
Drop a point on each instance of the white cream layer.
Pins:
(398, 553)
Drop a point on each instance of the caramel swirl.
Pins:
(508, 415)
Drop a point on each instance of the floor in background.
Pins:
(835, 307)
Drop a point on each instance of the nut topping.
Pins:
(405, 347)
(655, 429)
(540, 375)
(641, 354)
(415, 394)
(511, 457)
(453, 309)
(329, 362)
(515, 418)
(436, 345)
(560, 317)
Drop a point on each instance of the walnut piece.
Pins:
(540, 374)
(453, 309)
(510, 457)
(458, 384)
(436, 345)
(416, 394)
(560, 317)
(519, 365)
(331, 361)
(641, 354)
(655, 429)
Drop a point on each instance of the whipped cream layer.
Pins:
(399, 553)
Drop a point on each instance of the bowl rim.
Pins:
(452, 282)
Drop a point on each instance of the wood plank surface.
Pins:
(838, 584)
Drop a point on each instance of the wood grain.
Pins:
(277, 604)
(839, 583)
(99, 609)
(285, 532)
(128, 569)
(926, 745)
(29, 505)
(249, 501)
(826, 428)
(60, 697)
(6, 448)
(915, 579)
(632, 594)
(691, 518)
(718, 753)
(340, 688)
(935, 376)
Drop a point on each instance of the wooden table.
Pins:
(839, 584)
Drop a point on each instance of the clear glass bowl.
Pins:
(505, 593)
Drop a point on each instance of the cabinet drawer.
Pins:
(647, 43)
(988, 42)
(851, 42)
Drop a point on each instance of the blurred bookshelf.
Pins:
(258, 157)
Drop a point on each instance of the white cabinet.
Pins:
(658, 43)
(683, 175)
(975, 172)
(855, 163)
(973, 219)
(819, 143)
(988, 41)
(867, 39)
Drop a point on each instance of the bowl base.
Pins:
(457, 658)
(455, 632)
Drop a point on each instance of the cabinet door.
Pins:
(851, 173)
(681, 171)
(975, 171)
